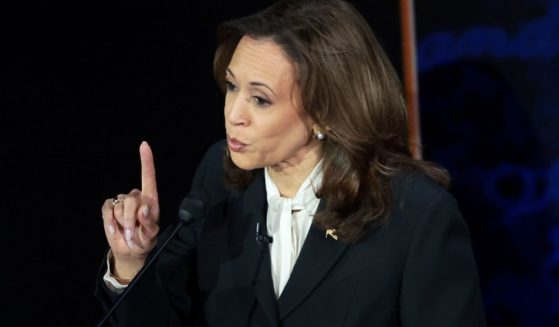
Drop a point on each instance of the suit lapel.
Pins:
(254, 211)
(317, 257)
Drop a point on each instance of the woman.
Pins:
(352, 231)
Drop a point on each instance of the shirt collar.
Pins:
(306, 193)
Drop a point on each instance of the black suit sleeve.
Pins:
(440, 283)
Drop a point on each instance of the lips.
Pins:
(235, 145)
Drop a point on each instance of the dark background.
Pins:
(83, 83)
(489, 80)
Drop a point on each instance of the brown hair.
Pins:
(349, 88)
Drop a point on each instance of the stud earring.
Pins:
(319, 135)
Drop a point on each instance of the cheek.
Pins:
(227, 103)
(285, 139)
(279, 134)
(293, 131)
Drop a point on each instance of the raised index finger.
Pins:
(149, 184)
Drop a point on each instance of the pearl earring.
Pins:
(319, 135)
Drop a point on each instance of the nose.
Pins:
(236, 110)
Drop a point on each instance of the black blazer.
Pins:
(417, 270)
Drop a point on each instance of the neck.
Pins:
(289, 175)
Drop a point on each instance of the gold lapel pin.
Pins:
(332, 233)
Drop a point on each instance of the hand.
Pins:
(131, 226)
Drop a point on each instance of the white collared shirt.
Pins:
(288, 222)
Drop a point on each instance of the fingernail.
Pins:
(111, 229)
(130, 244)
(146, 211)
(128, 234)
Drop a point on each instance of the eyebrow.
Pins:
(253, 83)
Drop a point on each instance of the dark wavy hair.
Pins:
(350, 89)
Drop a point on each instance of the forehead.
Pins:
(261, 60)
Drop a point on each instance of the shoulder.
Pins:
(414, 190)
(439, 269)
(422, 207)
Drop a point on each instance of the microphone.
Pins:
(192, 208)
(262, 238)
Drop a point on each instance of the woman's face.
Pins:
(264, 121)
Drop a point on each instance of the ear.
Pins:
(317, 128)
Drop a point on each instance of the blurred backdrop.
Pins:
(489, 81)
(83, 83)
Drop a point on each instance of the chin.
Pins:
(244, 162)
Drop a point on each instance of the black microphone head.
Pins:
(193, 206)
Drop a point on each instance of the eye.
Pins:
(230, 87)
(260, 101)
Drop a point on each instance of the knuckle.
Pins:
(107, 205)
(130, 202)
